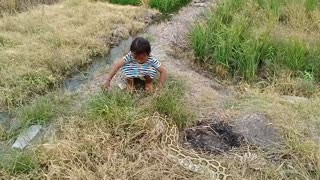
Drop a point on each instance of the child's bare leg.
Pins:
(148, 86)
(130, 86)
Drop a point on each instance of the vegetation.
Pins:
(251, 38)
(40, 47)
(16, 162)
(42, 109)
(299, 158)
(13, 6)
(162, 5)
(113, 107)
(170, 102)
(113, 123)
(116, 135)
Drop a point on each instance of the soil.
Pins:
(212, 137)
(258, 130)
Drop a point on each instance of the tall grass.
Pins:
(126, 2)
(242, 35)
(170, 102)
(165, 6)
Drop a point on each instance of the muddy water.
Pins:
(74, 82)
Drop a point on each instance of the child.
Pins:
(138, 63)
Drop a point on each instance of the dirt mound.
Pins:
(212, 137)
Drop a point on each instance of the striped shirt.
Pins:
(132, 69)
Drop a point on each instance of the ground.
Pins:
(113, 135)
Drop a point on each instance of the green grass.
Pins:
(14, 162)
(113, 107)
(126, 2)
(243, 35)
(170, 102)
(117, 106)
(43, 109)
(165, 6)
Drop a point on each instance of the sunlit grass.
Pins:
(164, 6)
(247, 36)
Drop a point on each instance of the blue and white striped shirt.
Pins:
(134, 69)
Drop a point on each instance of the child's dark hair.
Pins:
(140, 46)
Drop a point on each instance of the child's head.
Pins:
(141, 49)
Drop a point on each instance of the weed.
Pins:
(170, 102)
(3, 133)
(125, 2)
(165, 6)
(311, 5)
(42, 109)
(16, 162)
(113, 107)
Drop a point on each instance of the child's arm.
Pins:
(163, 75)
(116, 66)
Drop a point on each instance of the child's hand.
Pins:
(106, 85)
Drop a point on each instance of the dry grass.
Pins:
(13, 6)
(299, 124)
(111, 146)
(91, 149)
(40, 47)
(106, 142)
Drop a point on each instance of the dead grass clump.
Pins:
(287, 84)
(13, 6)
(40, 47)
(91, 149)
